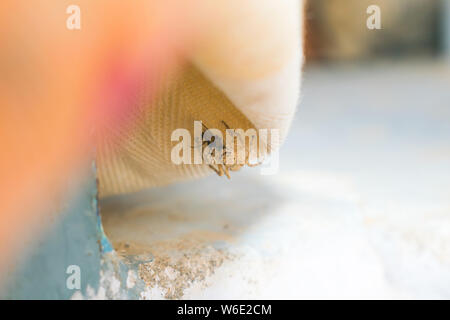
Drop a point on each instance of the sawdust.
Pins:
(175, 265)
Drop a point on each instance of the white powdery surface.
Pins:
(359, 209)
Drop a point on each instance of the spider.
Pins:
(221, 168)
(225, 168)
(234, 166)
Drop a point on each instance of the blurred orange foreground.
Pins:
(57, 84)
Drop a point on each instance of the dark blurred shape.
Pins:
(336, 29)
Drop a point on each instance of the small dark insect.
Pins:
(225, 168)
(221, 168)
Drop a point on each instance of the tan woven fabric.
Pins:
(140, 158)
(245, 73)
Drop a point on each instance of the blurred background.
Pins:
(335, 30)
(373, 129)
